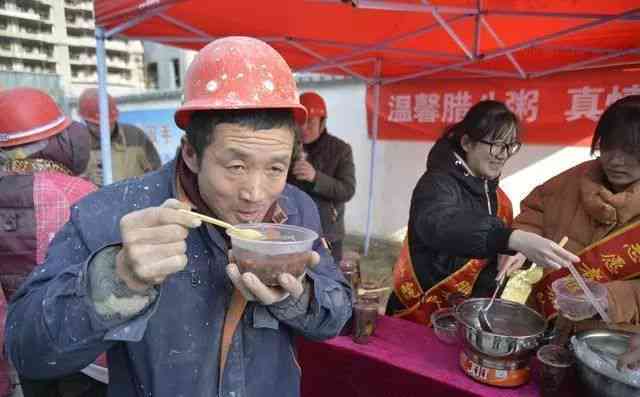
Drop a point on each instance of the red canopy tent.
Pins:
(386, 41)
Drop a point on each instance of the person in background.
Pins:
(132, 152)
(42, 152)
(596, 204)
(324, 169)
(133, 275)
(459, 220)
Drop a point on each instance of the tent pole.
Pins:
(518, 47)
(495, 36)
(105, 133)
(384, 44)
(577, 65)
(372, 162)
(319, 57)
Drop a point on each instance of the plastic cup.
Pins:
(445, 325)
(572, 301)
(284, 250)
(556, 361)
(365, 316)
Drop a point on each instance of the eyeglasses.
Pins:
(499, 149)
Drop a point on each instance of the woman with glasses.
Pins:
(459, 220)
(596, 204)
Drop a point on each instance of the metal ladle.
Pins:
(482, 314)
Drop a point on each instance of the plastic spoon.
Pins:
(592, 299)
(248, 234)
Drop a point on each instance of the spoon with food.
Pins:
(247, 234)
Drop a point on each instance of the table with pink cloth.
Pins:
(402, 359)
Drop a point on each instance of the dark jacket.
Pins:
(450, 223)
(171, 348)
(335, 182)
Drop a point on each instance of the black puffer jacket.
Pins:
(450, 223)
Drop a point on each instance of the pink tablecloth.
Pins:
(403, 359)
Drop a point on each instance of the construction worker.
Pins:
(42, 152)
(325, 170)
(134, 275)
(132, 152)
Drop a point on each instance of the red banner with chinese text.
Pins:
(560, 109)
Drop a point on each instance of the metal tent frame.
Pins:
(359, 55)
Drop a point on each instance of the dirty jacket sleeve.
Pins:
(53, 328)
(340, 187)
(444, 223)
(329, 306)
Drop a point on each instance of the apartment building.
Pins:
(58, 37)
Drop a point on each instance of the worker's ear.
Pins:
(189, 155)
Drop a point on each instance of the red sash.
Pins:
(419, 304)
(615, 257)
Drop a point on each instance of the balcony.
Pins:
(84, 41)
(79, 5)
(30, 15)
(33, 55)
(83, 60)
(118, 63)
(7, 52)
(85, 78)
(80, 23)
(119, 80)
(117, 45)
(12, 30)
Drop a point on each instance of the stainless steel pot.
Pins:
(517, 329)
(594, 377)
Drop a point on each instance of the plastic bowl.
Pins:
(445, 325)
(572, 301)
(284, 250)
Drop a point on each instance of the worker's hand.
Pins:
(303, 170)
(507, 264)
(153, 244)
(631, 359)
(540, 250)
(254, 290)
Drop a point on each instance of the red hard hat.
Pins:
(314, 103)
(89, 109)
(29, 115)
(238, 73)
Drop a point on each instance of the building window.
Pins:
(176, 71)
(152, 75)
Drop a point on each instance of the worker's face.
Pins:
(94, 128)
(242, 171)
(312, 129)
(622, 167)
